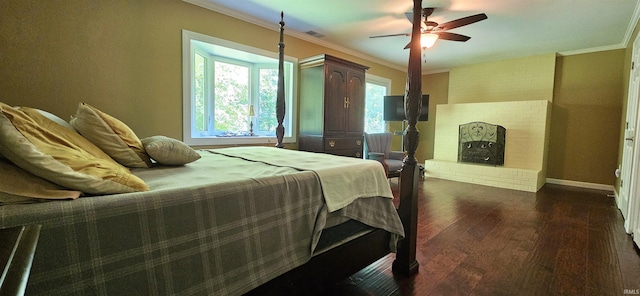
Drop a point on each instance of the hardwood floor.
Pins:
(478, 240)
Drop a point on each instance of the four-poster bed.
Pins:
(254, 220)
(349, 258)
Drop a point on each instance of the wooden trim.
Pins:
(17, 248)
(280, 101)
(406, 263)
(329, 267)
(323, 58)
(581, 184)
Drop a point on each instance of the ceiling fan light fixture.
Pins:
(428, 39)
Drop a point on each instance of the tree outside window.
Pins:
(374, 108)
(231, 92)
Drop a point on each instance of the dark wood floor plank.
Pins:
(507, 255)
(478, 240)
(569, 276)
(628, 255)
(603, 272)
(461, 281)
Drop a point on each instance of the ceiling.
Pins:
(514, 28)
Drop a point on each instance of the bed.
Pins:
(191, 234)
(232, 221)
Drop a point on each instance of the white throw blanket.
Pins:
(343, 179)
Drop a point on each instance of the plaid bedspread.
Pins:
(218, 226)
(343, 179)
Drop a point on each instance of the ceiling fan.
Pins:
(432, 31)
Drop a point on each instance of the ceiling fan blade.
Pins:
(447, 36)
(462, 21)
(391, 35)
(452, 36)
(409, 15)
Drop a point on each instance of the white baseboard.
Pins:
(616, 196)
(581, 184)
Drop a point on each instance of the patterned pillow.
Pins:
(62, 156)
(168, 151)
(112, 136)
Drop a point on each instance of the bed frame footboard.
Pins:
(329, 267)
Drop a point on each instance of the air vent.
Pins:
(314, 34)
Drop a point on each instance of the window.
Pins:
(377, 88)
(229, 92)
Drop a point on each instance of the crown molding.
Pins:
(632, 25)
(591, 50)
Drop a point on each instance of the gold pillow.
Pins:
(26, 186)
(169, 151)
(112, 136)
(54, 118)
(62, 156)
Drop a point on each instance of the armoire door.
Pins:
(335, 100)
(355, 103)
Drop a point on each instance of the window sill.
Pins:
(240, 140)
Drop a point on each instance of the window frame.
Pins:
(188, 49)
(217, 59)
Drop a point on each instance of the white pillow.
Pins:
(112, 136)
(56, 119)
(168, 151)
(62, 156)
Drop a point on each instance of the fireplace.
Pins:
(525, 153)
(481, 142)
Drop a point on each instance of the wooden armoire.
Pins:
(332, 94)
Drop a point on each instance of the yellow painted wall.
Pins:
(522, 79)
(437, 86)
(122, 56)
(587, 110)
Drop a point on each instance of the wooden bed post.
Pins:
(280, 106)
(405, 262)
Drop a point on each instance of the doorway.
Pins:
(628, 201)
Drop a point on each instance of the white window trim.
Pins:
(379, 80)
(291, 115)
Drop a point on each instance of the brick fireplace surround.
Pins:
(527, 137)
